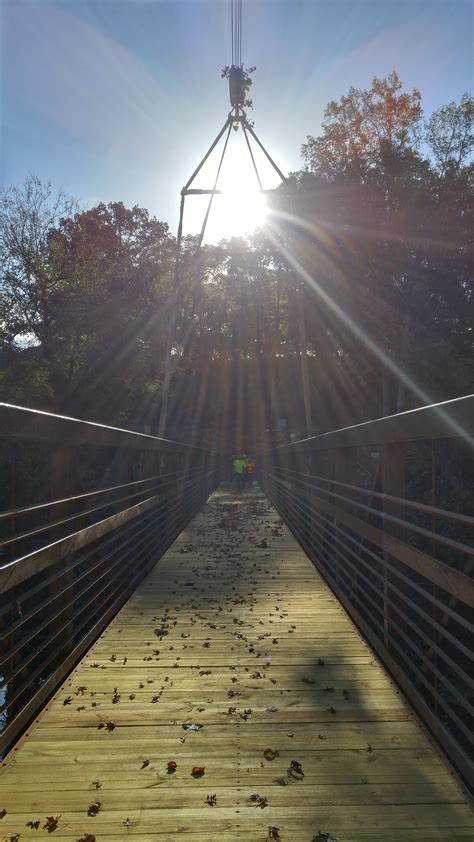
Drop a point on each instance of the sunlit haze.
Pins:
(120, 100)
(242, 207)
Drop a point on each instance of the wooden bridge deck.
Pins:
(236, 634)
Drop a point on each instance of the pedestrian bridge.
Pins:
(296, 666)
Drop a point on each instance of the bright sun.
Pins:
(239, 210)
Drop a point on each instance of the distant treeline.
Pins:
(364, 269)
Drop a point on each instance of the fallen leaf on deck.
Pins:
(96, 783)
(94, 808)
(269, 754)
(116, 696)
(171, 767)
(145, 763)
(322, 836)
(51, 823)
(369, 747)
(198, 771)
(211, 800)
(127, 823)
(109, 725)
(67, 700)
(192, 727)
(33, 823)
(259, 800)
(295, 770)
(3, 813)
(281, 781)
(274, 832)
(88, 837)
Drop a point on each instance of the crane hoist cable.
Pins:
(235, 119)
(236, 31)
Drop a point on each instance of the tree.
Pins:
(449, 134)
(364, 123)
(85, 293)
(27, 217)
(397, 273)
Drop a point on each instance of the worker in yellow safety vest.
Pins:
(239, 472)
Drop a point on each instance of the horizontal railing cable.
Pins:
(390, 498)
(427, 533)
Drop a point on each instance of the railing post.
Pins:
(343, 472)
(393, 483)
(62, 483)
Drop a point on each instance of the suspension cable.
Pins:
(236, 31)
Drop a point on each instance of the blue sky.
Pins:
(119, 99)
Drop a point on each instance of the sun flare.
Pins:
(239, 210)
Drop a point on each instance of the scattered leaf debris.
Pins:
(33, 823)
(109, 725)
(273, 832)
(94, 808)
(269, 754)
(198, 771)
(171, 767)
(51, 823)
(211, 800)
(259, 800)
(295, 770)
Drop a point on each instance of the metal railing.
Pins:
(384, 510)
(85, 512)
